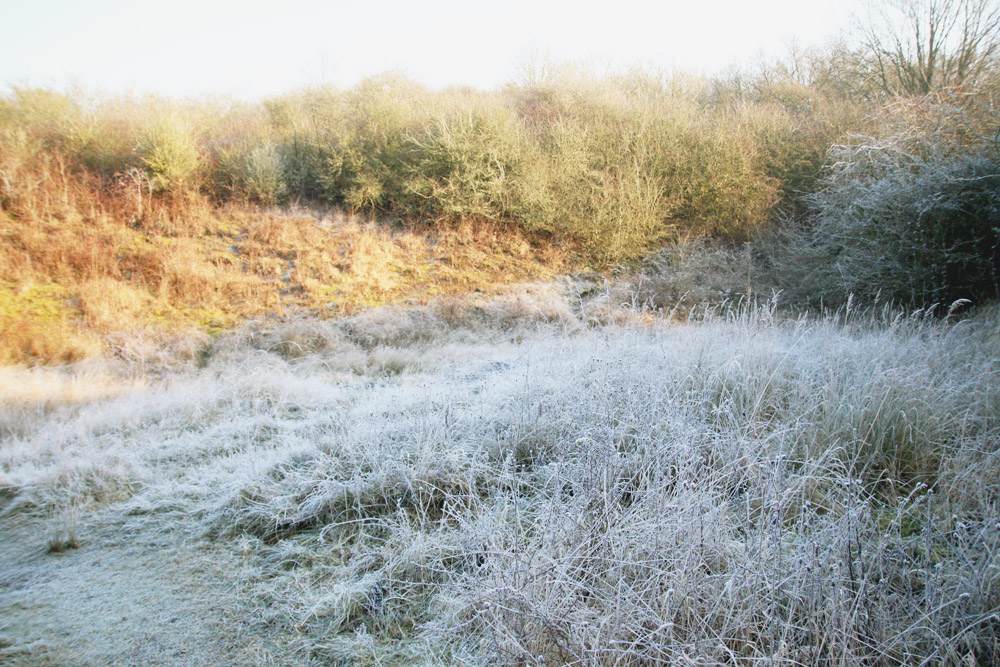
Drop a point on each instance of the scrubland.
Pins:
(547, 477)
(171, 215)
(626, 369)
(176, 216)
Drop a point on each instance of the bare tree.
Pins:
(922, 46)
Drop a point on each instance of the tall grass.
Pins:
(740, 489)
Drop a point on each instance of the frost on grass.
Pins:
(742, 489)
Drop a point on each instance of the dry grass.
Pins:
(429, 486)
(76, 287)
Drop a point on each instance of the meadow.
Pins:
(564, 480)
(634, 368)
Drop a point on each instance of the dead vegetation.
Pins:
(515, 481)
(77, 288)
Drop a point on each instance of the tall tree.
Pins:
(922, 46)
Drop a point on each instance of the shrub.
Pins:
(464, 164)
(251, 173)
(796, 126)
(367, 167)
(796, 108)
(108, 133)
(46, 116)
(717, 172)
(304, 127)
(170, 153)
(912, 214)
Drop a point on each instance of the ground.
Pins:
(517, 482)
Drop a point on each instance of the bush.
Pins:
(796, 107)
(621, 163)
(170, 153)
(369, 154)
(912, 215)
(251, 173)
(608, 167)
(47, 116)
(108, 134)
(465, 163)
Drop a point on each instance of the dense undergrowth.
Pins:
(608, 164)
(519, 482)
(125, 213)
(181, 214)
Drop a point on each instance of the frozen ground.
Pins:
(398, 490)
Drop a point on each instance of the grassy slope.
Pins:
(132, 218)
(426, 486)
(82, 285)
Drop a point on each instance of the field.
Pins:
(552, 475)
(598, 367)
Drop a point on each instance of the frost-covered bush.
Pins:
(913, 215)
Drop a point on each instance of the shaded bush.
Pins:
(912, 214)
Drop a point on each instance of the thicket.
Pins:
(608, 166)
(845, 185)
(908, 213)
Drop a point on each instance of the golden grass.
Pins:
(80, 275)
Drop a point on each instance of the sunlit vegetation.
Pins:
(623, 369)
(200, 213)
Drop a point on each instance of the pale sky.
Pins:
(251, 48)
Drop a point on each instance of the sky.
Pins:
(252, 48)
